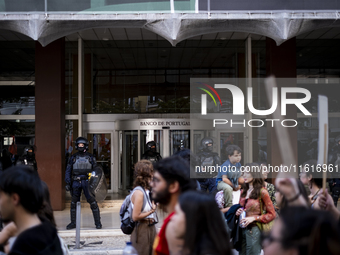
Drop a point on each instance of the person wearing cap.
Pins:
(78, 168)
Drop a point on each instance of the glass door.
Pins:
(100, 147)
(151, 135)
(179, 139)
(129, 157)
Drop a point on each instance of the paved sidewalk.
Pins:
(108, 240)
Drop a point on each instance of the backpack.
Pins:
(127, 224)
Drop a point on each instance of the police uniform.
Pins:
(80, 165)
(28, 159)
(207, 158)
(151, 153)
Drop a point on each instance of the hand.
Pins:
(324, 201)
(288, 187)
(246, 221)
(237, 188)
(239, 211)
(68, 187)
(154, 206)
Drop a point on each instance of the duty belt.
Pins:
(80, 178)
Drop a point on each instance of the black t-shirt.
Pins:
(41, 239)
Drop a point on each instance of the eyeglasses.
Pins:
(267, 239)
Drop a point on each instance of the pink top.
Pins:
(253, 207)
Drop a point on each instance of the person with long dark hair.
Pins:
(198, 221)
(254, 196)
(302, 231)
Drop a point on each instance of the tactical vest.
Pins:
(29, 163)
(82, 165)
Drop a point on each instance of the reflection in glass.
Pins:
(17, 76)
(16, 135)
(229, 139)
(308, 139)
(71, 77)
(148, 76)
(179, 139)
(100, 147)
(130, 156)
(71, 134)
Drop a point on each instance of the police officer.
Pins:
(28, 158)
(79, 166)
(206, 157)
(151, 152)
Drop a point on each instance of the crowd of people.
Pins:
(274, 218)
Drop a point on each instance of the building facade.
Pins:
(118, 73)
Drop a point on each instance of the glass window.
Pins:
(71, 134)
(100, 147)
(71, 77)
(17, 77)
(179, 139)
(129, 157)
(152, 76)
(229, 138)
(151, 135)
(16, 135)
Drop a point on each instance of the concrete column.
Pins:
(80, 85)
(50, 118)
(281, 62)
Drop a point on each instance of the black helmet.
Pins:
(29, 151)
(151, 144)
(205, 144)
(84, 141)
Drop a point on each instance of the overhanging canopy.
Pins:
(174, 27)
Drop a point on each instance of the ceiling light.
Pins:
(105, 39)
(222, 38)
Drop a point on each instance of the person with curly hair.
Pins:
(143, 209)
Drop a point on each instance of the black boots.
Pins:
(73, 217)
(95, 211)
(96, 215)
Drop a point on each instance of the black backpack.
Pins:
(127, 224)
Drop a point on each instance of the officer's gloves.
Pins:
(68, 187)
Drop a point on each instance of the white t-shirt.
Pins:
(147, 207)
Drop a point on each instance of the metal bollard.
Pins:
(78, 226)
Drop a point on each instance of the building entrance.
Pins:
(119, 144)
